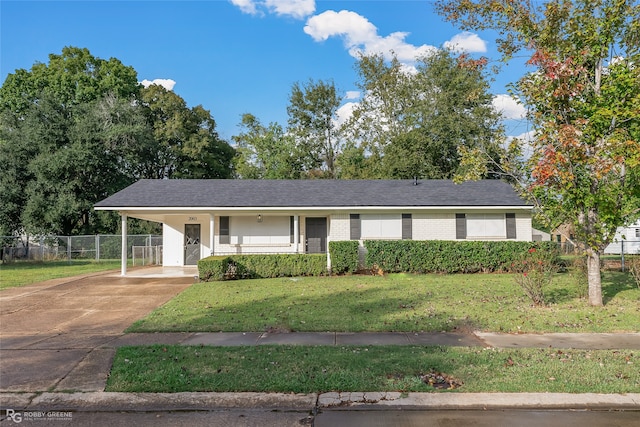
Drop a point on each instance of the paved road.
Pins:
(342, 418)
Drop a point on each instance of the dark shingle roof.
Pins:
(311, 193)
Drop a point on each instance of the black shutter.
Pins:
(354, 220)
(461, 226)
(407, 231)
(224, 230)
(511, 225)
(291, 229)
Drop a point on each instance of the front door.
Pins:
(316, 235)
(191, 244)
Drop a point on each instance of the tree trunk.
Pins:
(593, 277)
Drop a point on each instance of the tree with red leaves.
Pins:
(583, 98)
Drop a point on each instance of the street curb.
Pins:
(111, 402)
(482, 401)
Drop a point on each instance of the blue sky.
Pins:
(241, 56)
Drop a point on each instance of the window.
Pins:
(486, 225)
(637, 232)
(381, 226)
(490, 226)
(271, 230)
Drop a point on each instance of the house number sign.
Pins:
(192, 218)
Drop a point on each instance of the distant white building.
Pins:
(627, 239)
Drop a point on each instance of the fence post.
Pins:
(622, 255)
(68, 248)
(97, 247)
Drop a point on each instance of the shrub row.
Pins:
(261, 266)
(344, 256)
(440, 256)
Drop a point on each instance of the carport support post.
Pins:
(123, 266)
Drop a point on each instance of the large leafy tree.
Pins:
(80, 128)
(378, 117)
(266, 152)
(584, 101)
(53, 166)
(415, 122)
(186, 142)
(312, 121)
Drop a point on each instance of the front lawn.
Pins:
(302, 369)
(397, 302)
(22, 273)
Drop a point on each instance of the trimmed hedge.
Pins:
(261, 266)
(344, 256)
(442, 256)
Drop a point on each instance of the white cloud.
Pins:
(361, 36)
(246, 6)
(352, 94)
(295, 8)
(345, 112)
(509, 107)
(466, 42)
(168, 84)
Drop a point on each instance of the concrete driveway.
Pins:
(54, 333)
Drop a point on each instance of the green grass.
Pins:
(399, 302)
(21, 273)
(300, 369)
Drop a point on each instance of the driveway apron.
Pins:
(53, 334)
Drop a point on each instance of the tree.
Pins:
(414, 123)
(266, 152)
(186, 142)
(378, 117)
(41, 111)
(451, 111)
(584, 102)
(312, 120)
(80, 128)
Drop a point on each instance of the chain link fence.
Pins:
(142, 249)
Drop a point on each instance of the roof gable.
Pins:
(311, 193)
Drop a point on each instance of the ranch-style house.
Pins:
(220, 217)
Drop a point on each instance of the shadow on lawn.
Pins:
(347, 310)
(614, 283)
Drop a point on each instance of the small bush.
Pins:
(344, 256)
(535, 270)
(261, 266)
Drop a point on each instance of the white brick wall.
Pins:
(340, 227)
(436, 226)
(523, 227)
